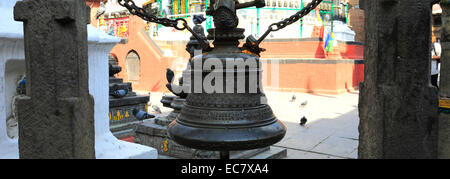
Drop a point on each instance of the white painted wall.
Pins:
(11, 47)
(100, 44)
(342, 32)
(106, 145)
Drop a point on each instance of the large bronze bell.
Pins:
(230, 119)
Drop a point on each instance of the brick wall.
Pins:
(356, 20)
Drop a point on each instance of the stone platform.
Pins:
(122, 120)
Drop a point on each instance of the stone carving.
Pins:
(56, 118)
(193, 44)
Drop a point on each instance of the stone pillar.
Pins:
(444, 83)
(106, 145)
(398, 107)
(56, 119)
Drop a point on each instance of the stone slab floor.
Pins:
(330, 133)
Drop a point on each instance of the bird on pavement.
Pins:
(141, 115)
(303, 104)
(293, 98)
(303, 121)
(101, 10)
(157, 109)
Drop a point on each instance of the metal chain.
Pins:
(288, 21)
(142, 13)
(147, 16)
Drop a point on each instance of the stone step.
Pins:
(115, 80)
(129, 100)
(117, 86)
(266, 153)
(273, 153)
(246, 154)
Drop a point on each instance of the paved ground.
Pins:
(331, 130)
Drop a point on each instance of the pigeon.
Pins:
(101, 10)
(22, 81)
(303, 104)
(293, 98)
(21, 86)
(120, 93)
(156, 108)
(303, 121)
(141, 115)
(169, 75)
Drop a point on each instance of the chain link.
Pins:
(142, 13)
(288, 21)
(297, 16)
(252, 44)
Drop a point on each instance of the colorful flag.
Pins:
(329, 42)
(320, 23)
(319, 18)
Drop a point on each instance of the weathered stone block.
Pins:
(56, 119)
(398, 107)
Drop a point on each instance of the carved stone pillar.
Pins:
(398, 108)
(444, 83)
(56, 119)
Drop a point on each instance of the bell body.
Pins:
(235, 116)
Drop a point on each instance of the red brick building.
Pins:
(356, 20)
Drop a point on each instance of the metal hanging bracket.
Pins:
(252, 44)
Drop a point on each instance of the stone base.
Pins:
(124, 130)
(121, 119)
(272, 153)
(268, 153)
(153, 133)
(9, 149)
(109, 147)
(128, 101)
